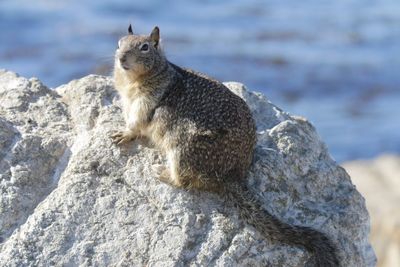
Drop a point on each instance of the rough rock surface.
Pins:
(379, 181)
(70, 197)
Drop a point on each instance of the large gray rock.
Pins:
(70, 197)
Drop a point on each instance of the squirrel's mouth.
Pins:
(124, 65)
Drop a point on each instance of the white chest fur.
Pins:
(137, 112)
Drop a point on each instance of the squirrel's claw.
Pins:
(122, 137)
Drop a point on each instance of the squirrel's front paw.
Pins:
(122, 137)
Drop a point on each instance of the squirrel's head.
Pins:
(139, 54)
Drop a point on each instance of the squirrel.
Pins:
(206, 132)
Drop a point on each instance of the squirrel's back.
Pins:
(212, 128)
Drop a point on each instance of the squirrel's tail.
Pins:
(324, 252)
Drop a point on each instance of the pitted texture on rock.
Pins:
(70, 197)
(34, 137)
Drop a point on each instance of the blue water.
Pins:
(334, 62)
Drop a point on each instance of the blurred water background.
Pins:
(334, 62)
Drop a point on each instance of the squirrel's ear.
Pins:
(155, 36)
(130, 29)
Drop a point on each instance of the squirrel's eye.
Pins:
(144, 47)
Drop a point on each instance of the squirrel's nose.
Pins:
(122, 59)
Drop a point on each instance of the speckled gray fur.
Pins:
(212, 128)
